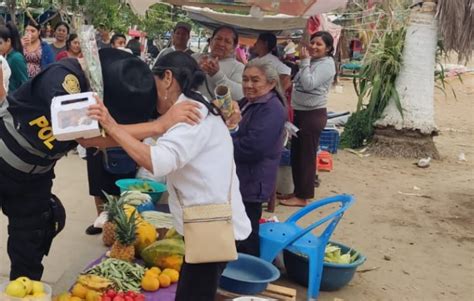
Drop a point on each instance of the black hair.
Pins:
(61, 23)
(236, 35)
(9, 31)
(34, 24)
(271, 41)
(69, 40)
(134, 46)
(327, 39)
(187, 73)
(116, 37)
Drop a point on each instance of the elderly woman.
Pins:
(258, 142)
(309, 98)
(220, 65)
(187, 156)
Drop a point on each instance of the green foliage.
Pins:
(440, 74)
(125, 227)
(118, 17)
(375, 86)
(112, 13)
(357, 129)
(161, 18)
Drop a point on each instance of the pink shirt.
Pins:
(241, 56)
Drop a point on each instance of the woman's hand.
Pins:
(26, 41)
(304, 54)
(210, 65)
(185, 111)
(100, 113)
(235, 117)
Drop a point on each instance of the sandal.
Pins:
(91, 230)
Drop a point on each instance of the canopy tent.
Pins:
(245, 24)
(302, 8)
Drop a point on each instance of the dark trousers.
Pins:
(199, 282)
(30, 226)
(252, 244)
(304, 149)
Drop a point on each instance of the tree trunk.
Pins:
(415, 86)
(11, 4)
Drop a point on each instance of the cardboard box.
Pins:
(69, 117)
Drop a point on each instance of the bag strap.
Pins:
(229, 194)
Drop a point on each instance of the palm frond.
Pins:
(456, 24)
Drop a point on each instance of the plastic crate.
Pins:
(329, 140)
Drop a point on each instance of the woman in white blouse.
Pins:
(198, 161)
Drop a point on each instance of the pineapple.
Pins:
(125, 236)
(108, 231)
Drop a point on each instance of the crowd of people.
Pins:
(173, 106)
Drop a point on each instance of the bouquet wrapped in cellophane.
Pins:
(90, 53)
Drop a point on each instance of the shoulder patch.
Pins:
(71, 84)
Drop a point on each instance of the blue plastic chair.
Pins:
(275, 237)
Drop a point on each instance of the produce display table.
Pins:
(163, 294)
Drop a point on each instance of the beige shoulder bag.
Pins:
(208, 231)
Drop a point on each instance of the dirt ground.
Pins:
(414, 225)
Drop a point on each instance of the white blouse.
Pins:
(197, 162)
(280, 67)
(6, 72)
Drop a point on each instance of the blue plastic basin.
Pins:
(334, 277)
(158, 188)
(248, 275)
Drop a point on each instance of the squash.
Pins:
(146, 235)
(165, 253)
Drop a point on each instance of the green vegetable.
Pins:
(332, 254)
(126, 276)
(144, 187)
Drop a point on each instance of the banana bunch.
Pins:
(94, 282)
(135, 198)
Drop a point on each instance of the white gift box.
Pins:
(69, 117)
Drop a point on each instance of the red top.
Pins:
(62, 55)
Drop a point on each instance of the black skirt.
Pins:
(99, 179)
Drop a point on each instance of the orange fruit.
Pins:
(150, 283)
(150, 273)
(165, 280)
(155, 270)
(75, 298)
(173, 274)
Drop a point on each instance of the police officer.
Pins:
(29, 151)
